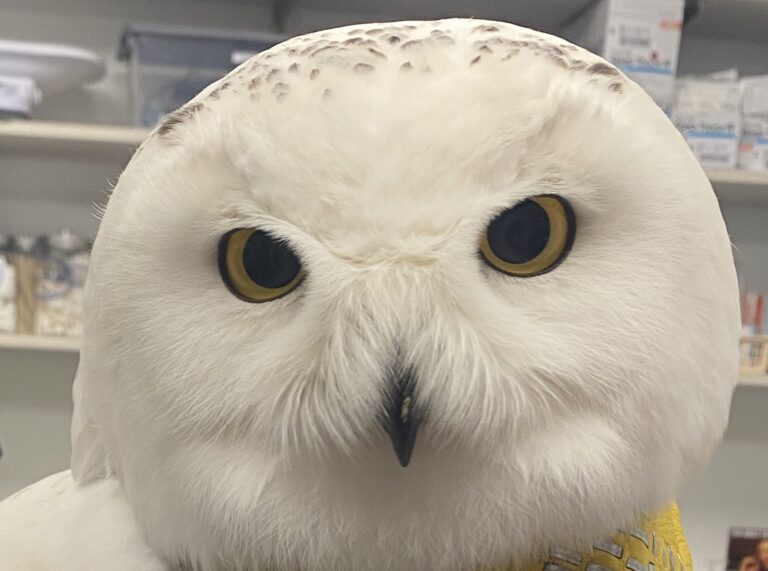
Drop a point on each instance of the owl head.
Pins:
(424, 295)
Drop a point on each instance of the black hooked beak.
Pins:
(401, 421)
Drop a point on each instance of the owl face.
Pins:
(461, 247)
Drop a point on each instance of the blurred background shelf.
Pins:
(754, 380)
(72, 345)
(38, 343)
(738, 186)
(83, 160)
(46, 137)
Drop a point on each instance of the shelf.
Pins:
(737, 186)
(81, 161)
(69, 138)
(39, 343)
(72, 345)
(753, 380)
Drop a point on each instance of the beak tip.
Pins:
(404, 457)
(402, 422)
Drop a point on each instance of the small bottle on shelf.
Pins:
(25, 260)
(7, 286)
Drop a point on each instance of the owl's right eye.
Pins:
(256, 267)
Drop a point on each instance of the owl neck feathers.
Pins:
(655, 543)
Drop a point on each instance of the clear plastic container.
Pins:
(60, 285)
(169, 65)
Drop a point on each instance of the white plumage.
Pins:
(215, 433)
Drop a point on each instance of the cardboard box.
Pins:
(753, 147)
(640, 37)
(707, 112)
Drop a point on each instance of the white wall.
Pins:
(35, 410)
(733, 491)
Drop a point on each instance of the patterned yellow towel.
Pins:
(656, 544)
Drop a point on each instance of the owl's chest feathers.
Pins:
(657, 543)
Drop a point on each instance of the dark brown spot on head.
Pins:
(510, 53)
(216, 93)
(355, 32)
(486, 49)
(324, 49)
(280, 88)
(410, 27)
(292, 51)
(373, 31)
(475, 60)
(407, 66)
(272, 75)
(314, 73)
(179, 117)
(363, 68)
(601, 68)
(410, 44)
(485, 28)
(393, 40)
(377, 53)
(616, 87)
(353, 41)
(254, 83)
(293, 68)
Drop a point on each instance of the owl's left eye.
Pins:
(256, 267)
(531, 238)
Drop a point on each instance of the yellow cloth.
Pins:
(656, 544)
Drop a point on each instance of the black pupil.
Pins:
(519, 234)
(269, 263)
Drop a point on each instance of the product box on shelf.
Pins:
(42, 284)
(753, 346)
(706, 110)
(170, 64)
(640, 37)
(753, 147)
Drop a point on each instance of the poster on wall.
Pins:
(748, 549)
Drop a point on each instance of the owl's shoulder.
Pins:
(59, 525)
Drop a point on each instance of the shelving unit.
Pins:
(106, 149)
(52, 173)
(46, 137)
(740, 187)
(39, 343)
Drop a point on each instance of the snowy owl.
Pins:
(422, 296)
